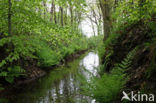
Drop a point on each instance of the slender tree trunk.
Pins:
(9, 17)
(100, 26)
(55, 18)
(75, 19)
(95, 19)
(52, 11)
(79, 17)
(98, 29)
(93, 28)
(45, 9)
(62, 16)
(66, 16)
(115, 4)
(71, 14)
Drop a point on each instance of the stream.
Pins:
(60, 85)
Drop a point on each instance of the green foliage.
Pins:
(132, 11)
(35, 36)
(107, 60)
(126, 63)
(106, 89)
(107, 46)
(101, 50)
(12, 73)
(127, 13)
(21, 46)
(95, 41)
(47, 57)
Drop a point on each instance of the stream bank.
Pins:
(61, 85)
(35, 72)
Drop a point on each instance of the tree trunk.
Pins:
(79, 17)
(100, 26)
(61, 9)
(96, 20)
(93, 28)
(115, 4)
(55, 14)
(104, 4)
(71, 14)
(9, 16)
(75, 19)
(58, 16)
(66, 16)
(52, 11)
(45, 9)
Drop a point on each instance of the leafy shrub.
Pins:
(101, 50)
(12, 73)
(47, 57)
(130, 14)
(95, 41)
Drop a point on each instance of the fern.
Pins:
(107, 88)
(126, 63)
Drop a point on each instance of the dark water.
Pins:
(60, 85)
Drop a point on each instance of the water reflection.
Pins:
(61, 85)
(90, 63)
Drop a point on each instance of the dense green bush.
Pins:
(131, 12)
(47, 57)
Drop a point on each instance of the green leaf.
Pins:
(9, 79)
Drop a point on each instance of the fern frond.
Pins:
(126, 63)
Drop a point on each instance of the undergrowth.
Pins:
(108, 87)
